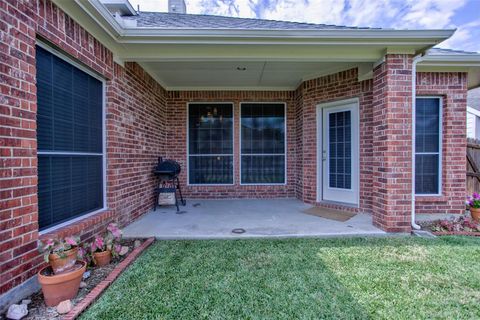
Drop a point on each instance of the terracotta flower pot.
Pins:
(62, 264)
(103, 258)
(59, 287)
(475, 212)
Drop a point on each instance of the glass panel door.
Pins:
(340, 162)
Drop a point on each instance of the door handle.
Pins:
(324, 155)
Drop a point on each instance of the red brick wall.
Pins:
(299, 143)
(452, 87)
(392, 146)
(176, 147)
(18, 146)
(135, 128)
(339, 86)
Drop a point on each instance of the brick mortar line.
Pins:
(96, 292)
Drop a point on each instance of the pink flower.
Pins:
(97, 243)
(71, 241)
(114, 230)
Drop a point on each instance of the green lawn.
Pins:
(380, 278)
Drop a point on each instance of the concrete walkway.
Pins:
(215, 219)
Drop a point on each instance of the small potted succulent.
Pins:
(103, 248)
(474, 203)
(60, 254)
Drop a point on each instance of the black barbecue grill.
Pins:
(167, 172)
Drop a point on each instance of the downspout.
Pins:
(416, 60)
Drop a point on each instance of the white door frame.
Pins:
(355, 148)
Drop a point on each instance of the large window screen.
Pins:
(210, 143)
(427, 145)
(70, 140)
(263, 143)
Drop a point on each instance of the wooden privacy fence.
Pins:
(473, 166)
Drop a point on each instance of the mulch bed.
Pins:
(456, 233)
(428, 225)
(39, 311)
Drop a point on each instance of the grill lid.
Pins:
(167, 167)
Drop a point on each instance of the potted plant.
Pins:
(60, 254)
(60, 280)
(103, 248)
(60, 287)
(474, 203)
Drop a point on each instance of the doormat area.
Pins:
(331, 214)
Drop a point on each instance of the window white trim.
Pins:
(440, 148)
(95, 75)
(263, 154)
(212, 155)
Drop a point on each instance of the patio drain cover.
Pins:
(238, 231)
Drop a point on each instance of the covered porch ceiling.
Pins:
(246, 75)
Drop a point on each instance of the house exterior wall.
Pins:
(144, 121)
(340, 86)
(134, 126)
(176, 142)
(452, 87)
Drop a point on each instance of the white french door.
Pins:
(339, 156)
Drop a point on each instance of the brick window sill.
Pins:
(77, 227)
(436, 199)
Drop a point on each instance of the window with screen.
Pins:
(428, 146)
(210, 143)
(70, 140)
(262, 143)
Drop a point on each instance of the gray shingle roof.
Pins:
(200, 21)
(448, 52)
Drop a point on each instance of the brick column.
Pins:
(392, 143)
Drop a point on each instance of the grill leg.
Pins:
(182, 201)
(157, 197)
(176, 203)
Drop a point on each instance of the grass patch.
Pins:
(381, 278)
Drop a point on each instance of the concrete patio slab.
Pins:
(215, 219)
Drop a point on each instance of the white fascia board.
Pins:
(123, 3)
(293, 33)
(293, 37)
(473, 111)
(459, 60)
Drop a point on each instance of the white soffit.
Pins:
(247, 75)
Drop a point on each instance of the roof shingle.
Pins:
(169, 20)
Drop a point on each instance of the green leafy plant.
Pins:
(57, 246)
(110, 241)
(474, 200)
